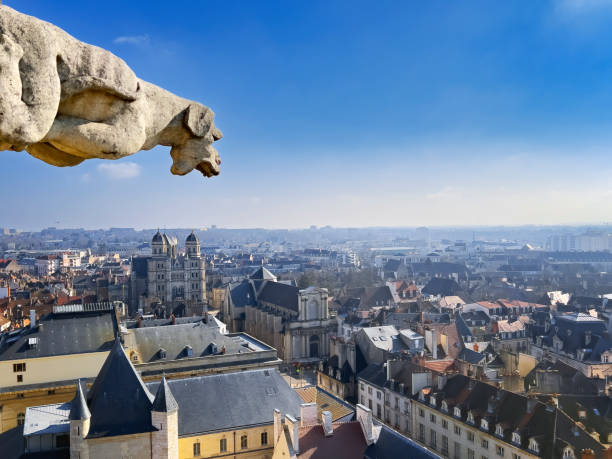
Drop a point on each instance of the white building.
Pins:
(46, 265)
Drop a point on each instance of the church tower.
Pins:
(195, 271)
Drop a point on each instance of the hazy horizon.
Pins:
(350, 115)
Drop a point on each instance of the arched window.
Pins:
(457, 412)
(444, 406)
(568, 453)
(533, 445)
(516, 438)
(244, 442)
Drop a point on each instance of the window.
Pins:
(444, 424)
(484, 443)
(19, 378)
(264, 438)
(20, 395)
(370, 404)
(444, 407)
(533, 446)
(432, 439)
(516, 438)
(362, 400)
(196, 449)
(62, 441)
(20, 419)
(243, 442)
(19, 367)
(499, 430)
(432, 418)
(444, 445)
(515, 456)
(457, 450)
(470, 453)
(51, 392)
(457, 429)
(457, 412)
(421, 433)
(397, 402)
(484, 424)
(370, 390)
(361, 387)
(568, 453)
(470, 436)
(499, 450)
(378, 395)
(421, 412)
(223, 445)
(378, 411)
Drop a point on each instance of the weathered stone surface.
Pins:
(65, 101)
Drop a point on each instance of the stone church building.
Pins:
(169, 281)
(296, 322)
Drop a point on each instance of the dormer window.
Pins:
(432, 400)
(568, 453)
(444, 406)
(533, 445)
(457, 412)
(188, 351)
(484, 424)
(162, 353)
(499, 430)
(470, 418)
(516, 438)
(421, 396)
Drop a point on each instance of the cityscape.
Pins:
(390, 239)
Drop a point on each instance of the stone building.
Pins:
(296, 322)
(121, 415)
(169, 281)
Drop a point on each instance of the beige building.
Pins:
(469, 419)
(122, 416)
(39, 365)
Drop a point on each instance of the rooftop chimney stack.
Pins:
(364, 416)
(328, 428)
(308, 414)
(292, 426)
(278, 420)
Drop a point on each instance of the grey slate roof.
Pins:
(61, 334)
(282, 295)
(174, 339)
(391, 445)
(242, 294)
(119, 402)
(374, 374)
(164, 400)
(262, 274)
(78, 407)
(231, 400)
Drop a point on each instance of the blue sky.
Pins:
(349, 114)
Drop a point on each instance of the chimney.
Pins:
(308, 414)
(364, 416)
(292, 426)
(531, 404)
(32, 318)
(326, 419)
(434, 344)
(278, 420)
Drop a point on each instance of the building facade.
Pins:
(177, 281)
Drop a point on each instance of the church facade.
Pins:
(296, 322)
(176, 281)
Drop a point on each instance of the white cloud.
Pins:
(132, 39)
(578, 7)
(85, 178)
(119, 171)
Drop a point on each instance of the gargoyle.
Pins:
(65, 101)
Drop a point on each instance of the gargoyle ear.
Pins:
(199, 119)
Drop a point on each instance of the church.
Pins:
(296, 322)
(173, 281)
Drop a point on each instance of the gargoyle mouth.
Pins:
(207, 169)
